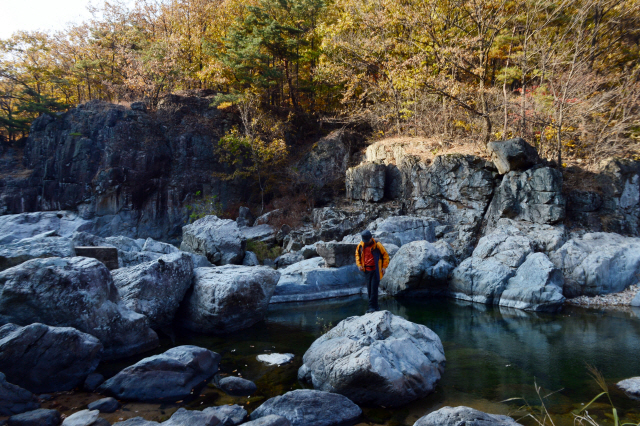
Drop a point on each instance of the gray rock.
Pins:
(309, 251)
(155, 289)
(631, 387)
(263, 233)
(333, 224)
(636, 300)
(14, 399)
(533, 196)
(289, 259)
(309, 280)
(237, 386)
(337, 254)
(35, 290)
(275, 359)
(183, 417)
(598, 263)
(107, 255)
(136, 421)
(326, 162)
(42, 359)
(512, 155)
(537, 286)
(419, 267)
(92, 382)
(85, 418)
(105, 405)
(366, 182)
(219, 240)
(455, 416)
(250, 259)
(229, 415)
(15, 227)
(228, 298)
(543, 238)
(376, 359)
(304, 407)
(48, 244)
(400, 230)
(39, 417)
(158, 247)
(270, 420)
(167, 377)
(583, 201)
(245, 217)
(125, 243)
(266, 218)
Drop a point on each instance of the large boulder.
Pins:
(85, 418)
(457, 416)
(155, 289)
(264, 233)
(304, 407)
(36, 290)
(183, 417)
(598, 263)
(170, 376)
(15, 227)
(534, 195)
(48, 244)
(39, 417)
(366, 182)
(631, 387)
(512, 155)
(47, 359)
(237, 386)
(337, 254)
(219, 240)
(376, 359)
(229, 415)
(537, 286)
(14, 399)
(400, 230)
(228, 298)
(310, 280)
(419, 267)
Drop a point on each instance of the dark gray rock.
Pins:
(219, 240)
(326, 162)
(105, 405)
(92, 382)
(400, 230)
(268, 217)
(44, 245)
(636, 300)
(366, 182)
(155, 289)
(183, 417)
(512, 155)
(237, 386)
(337, 254)
(245, 217)
(136, 421)
(107, 255)
(35, 290)
(14, 399)
(631, 387)
(270, 420)
(419, 267)
(228, 298)
(309, 251)
(47, 359)
(264, 233)
(15, 227)
(229, 415)
(250, 259)
(306, 407)
(583, 202)
(158, 247)
(168, 377)
(289, 259)
(456, 416)
(376, 359)
(40, 417)
(85, 418)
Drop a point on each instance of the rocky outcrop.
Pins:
(327, 161)
(512, 155)
(598, 263)
(36, 290)
(337, 254)
(48, 244)
(170, 376)
(219, 240)
(39, 417)
(310, 280)
(400, 230)
(155, 289)
(631, 387)
(47, 359)
(310, 407)
(85, 418)
(366, 182)
(263, 233)
(184, 417)
(288, 259)
(228, 298)
(15, 227)
(14, 399)
(455, 416)
(376, 359)
(419, 267)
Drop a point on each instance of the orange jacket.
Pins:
(379, 253)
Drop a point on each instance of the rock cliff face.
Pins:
(130, 171)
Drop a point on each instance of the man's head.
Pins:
(367, 238)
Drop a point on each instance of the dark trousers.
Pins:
(373, 280)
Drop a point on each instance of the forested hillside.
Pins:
(563, 74)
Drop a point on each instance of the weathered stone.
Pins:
(264, 233)
(631, 387)
(158, 247)
(229, 415)
(228, 298)
(378, 359)
(14, 399)
(268, 217)
(183, 417)
(512, 155)
(237, 386)
(219, 240)
(419, 267)
(136, 421)
(42, 359)
(366, 182)
(168, 377)
(35, 290)
(326, 162)
(636, 300)
(270, 420)
(16, 227)
(337, 254)
(456, 416)
(275, 359)
(44, 245)
(106, 255)
(250, 259)
(245, 217)
(288, 259)
(92, 382)
(85, 418)
(105, 405)
(39, 417)
(305, 407)
(155, 289)
(400, 230)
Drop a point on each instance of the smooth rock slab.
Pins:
(275, 359)
(169, 376)
(237, 386)
(14, 399)
(631, 387)
(228, 298)
(47, 359)
(457, 416)
(105, 405)
(250, 259)
(44, 245)
(85, 418)
(375, 359)
(305, 407)
(40, 417)
(219, 240)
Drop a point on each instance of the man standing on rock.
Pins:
(372, 259)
